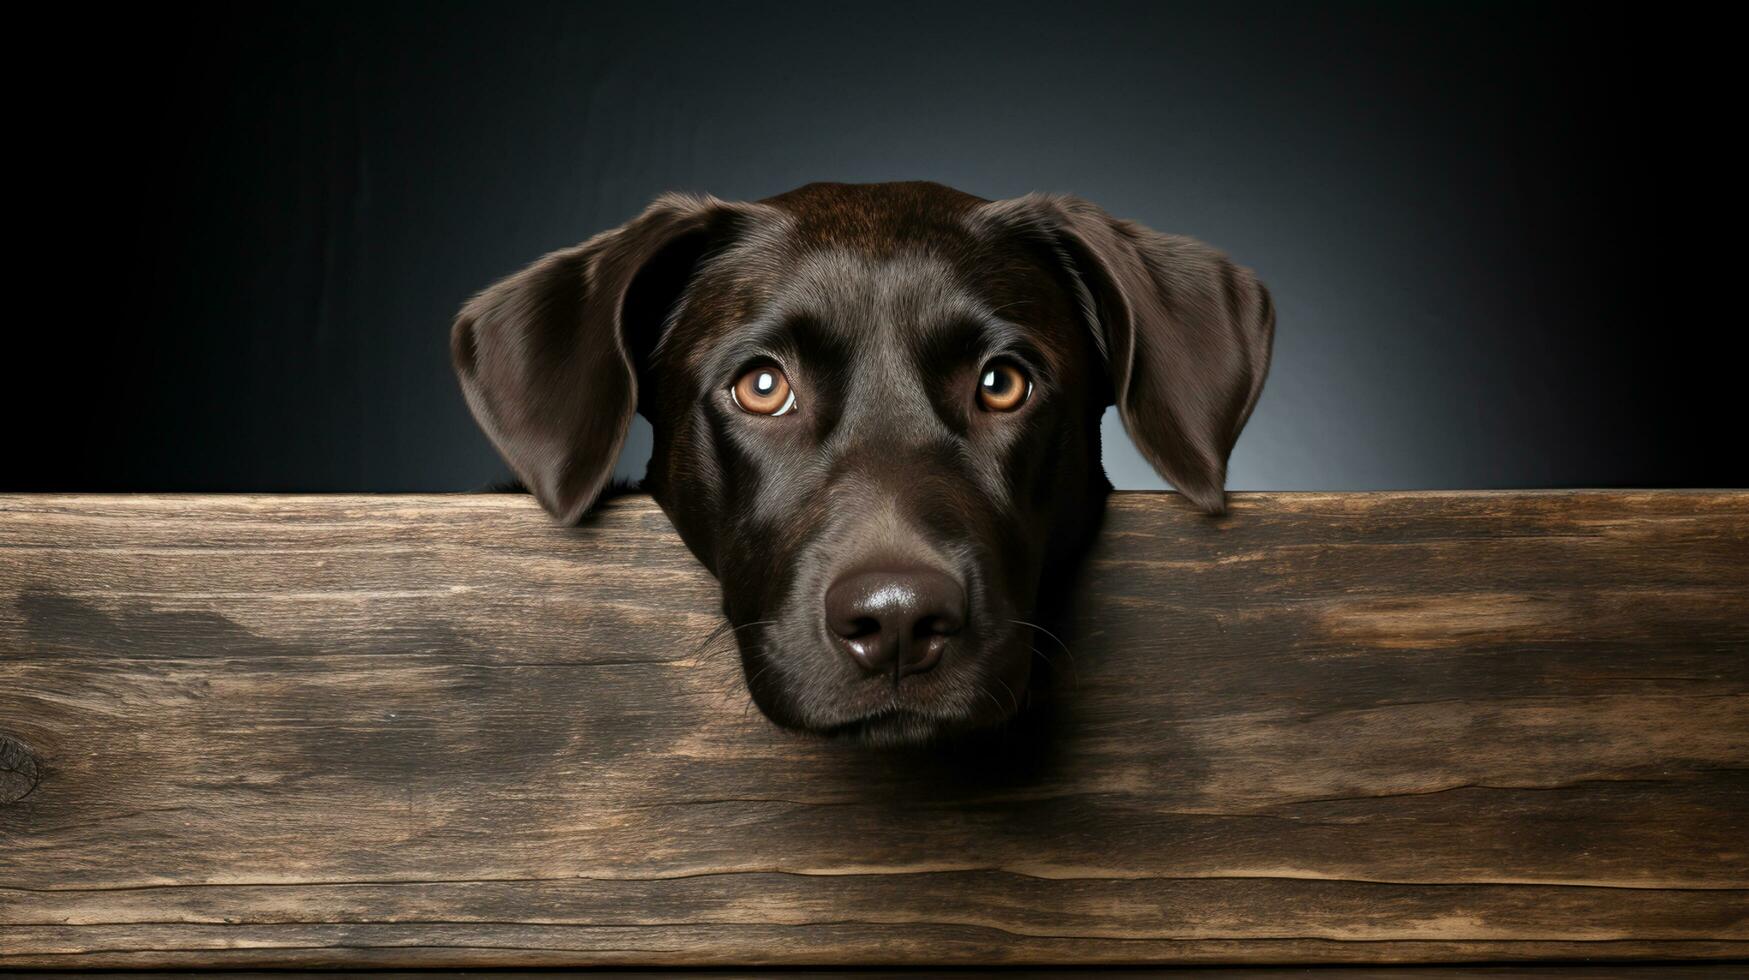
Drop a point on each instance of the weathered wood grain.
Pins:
(438, 731)
(1712, 970)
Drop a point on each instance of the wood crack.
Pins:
(684, 876)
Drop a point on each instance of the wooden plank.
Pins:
(1420, 971)
(436, 731)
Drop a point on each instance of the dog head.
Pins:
(876, 412)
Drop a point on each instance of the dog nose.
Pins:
(895, 622)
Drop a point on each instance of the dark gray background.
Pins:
(252, 226)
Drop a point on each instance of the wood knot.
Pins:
(19, 771)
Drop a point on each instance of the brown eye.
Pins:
(764, 391)
(1002, 387)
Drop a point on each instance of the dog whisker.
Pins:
(723, 629)
(702, 653)
(1011, 695)
(1074, 666)
(747, 688)
(1000, 712)
(712, 636)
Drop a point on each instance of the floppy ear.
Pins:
(545, 357)
(1185, 332)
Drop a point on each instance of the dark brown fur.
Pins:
(882, 302)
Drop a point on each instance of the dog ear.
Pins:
(546, 357)
(1186, 333)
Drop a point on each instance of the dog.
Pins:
(876, 412)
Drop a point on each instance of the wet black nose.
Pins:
(895, 622)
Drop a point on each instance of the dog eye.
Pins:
(1003, 387)
(764, 391)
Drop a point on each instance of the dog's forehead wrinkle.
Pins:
(862, 293)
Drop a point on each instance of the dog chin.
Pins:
(903, 725)
(901, 728)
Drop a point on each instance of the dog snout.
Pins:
(895, 621)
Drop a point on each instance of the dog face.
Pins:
(876, 412)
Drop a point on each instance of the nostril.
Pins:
(861, 627)
(934, 626)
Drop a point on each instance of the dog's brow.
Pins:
(773, 335)
(960, 338)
